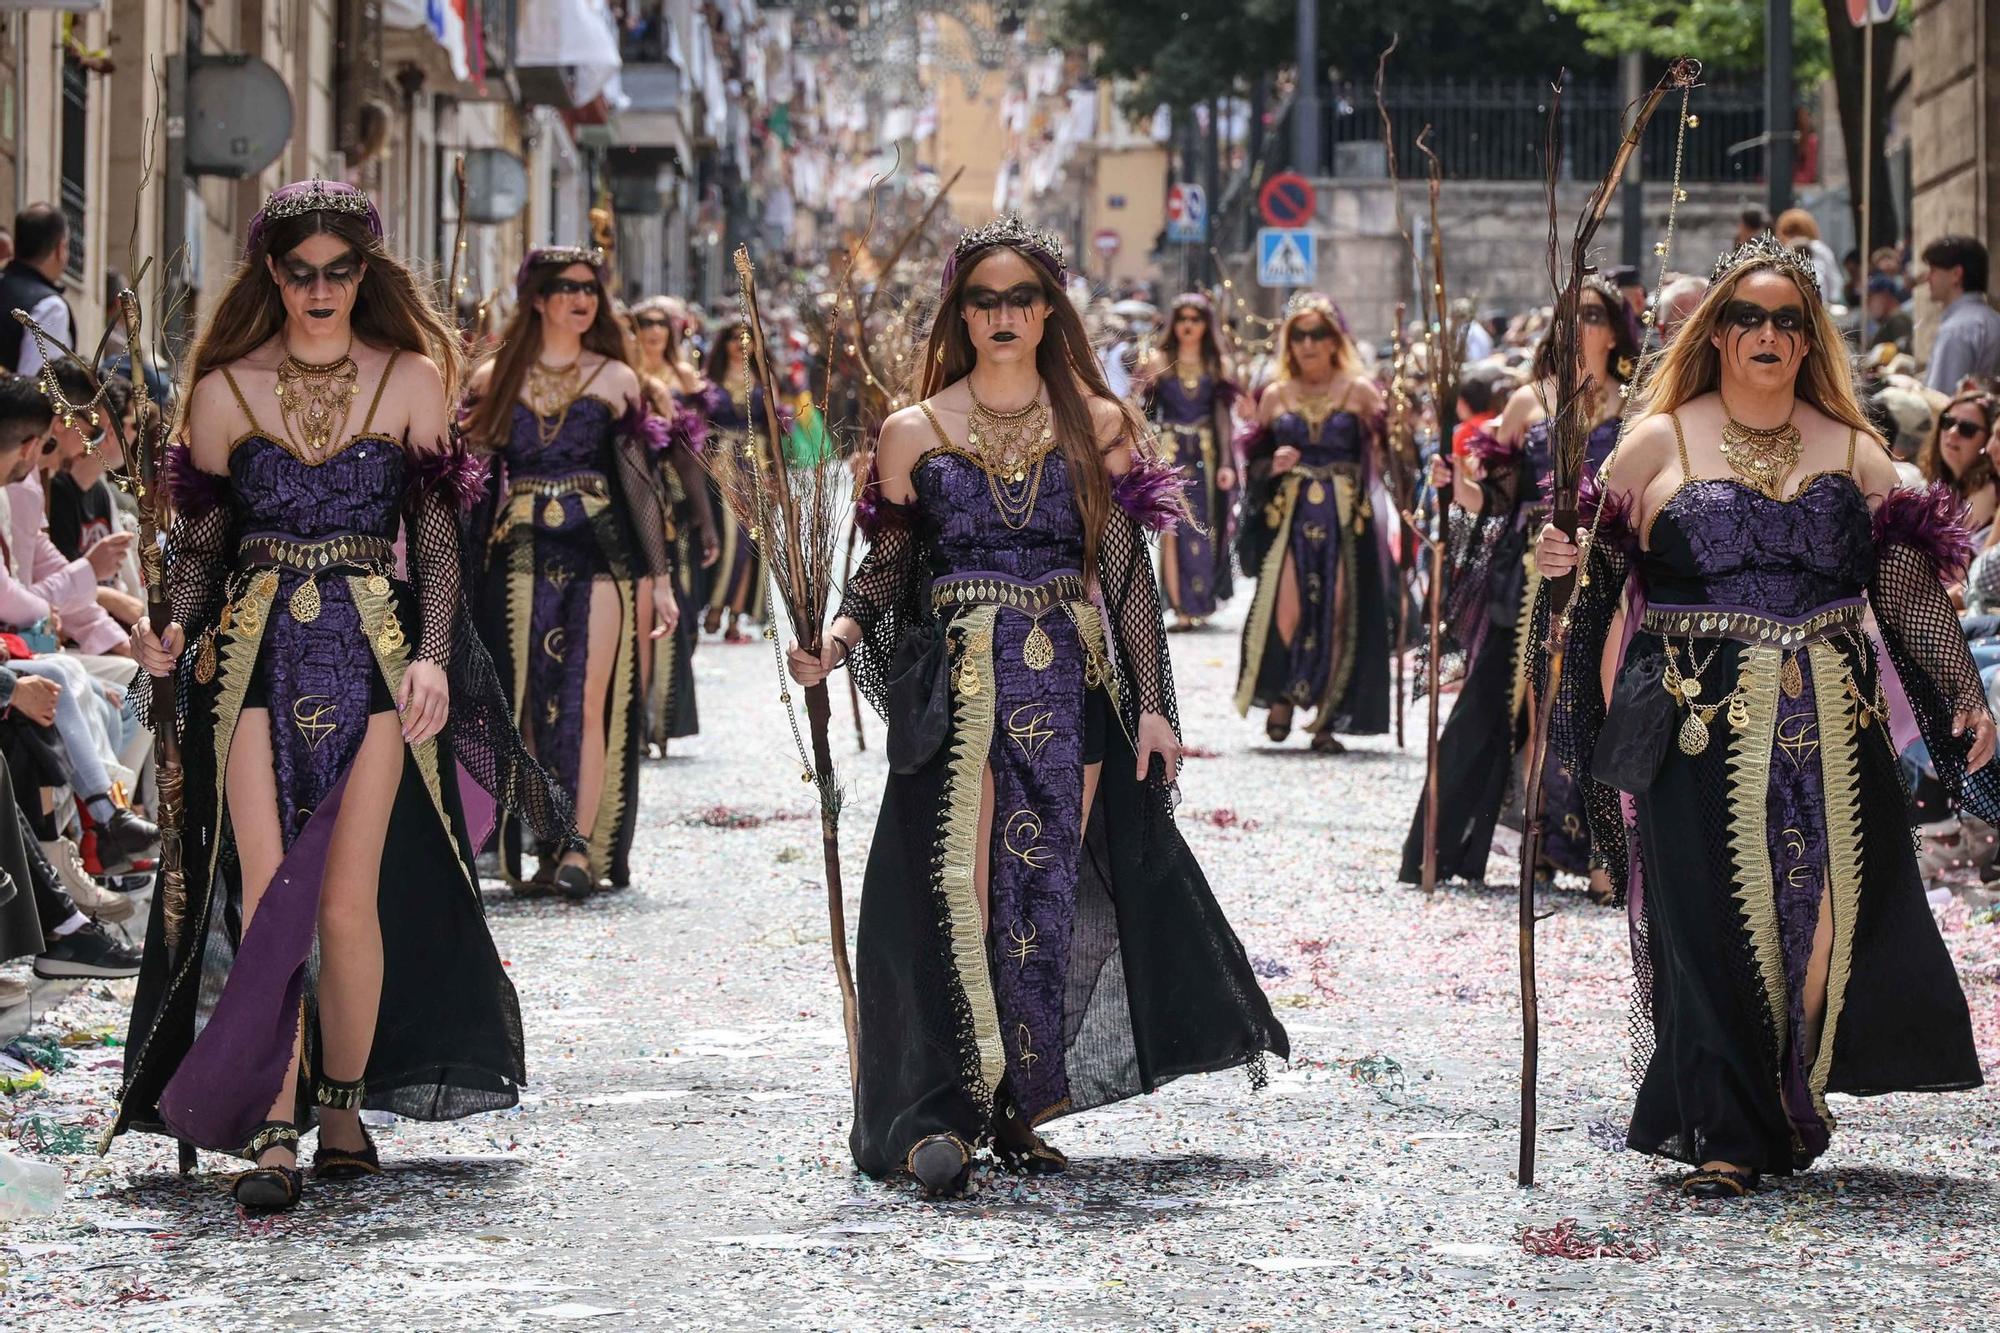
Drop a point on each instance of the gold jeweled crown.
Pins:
(1766, 248)
(1010, 231)
(318, 196)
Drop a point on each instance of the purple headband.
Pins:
(312, 196)
(1043, 247)
(558, 256)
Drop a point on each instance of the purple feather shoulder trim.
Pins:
(1253, 440)
(874, 512)
(193, 491)
(1150, 491)
(1227, 391)
(645, 425)
(1614, 524)
(1930, 521)
(689, 428)
(453, 469)
(1485, 446)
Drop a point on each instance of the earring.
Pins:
(940, 354)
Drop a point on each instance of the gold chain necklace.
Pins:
(315, 401)
(1761, 457)
(1314, 409)
(1012, 448)
(1190, 383)
(551, 392)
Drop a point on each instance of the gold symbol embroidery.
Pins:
(558, 573)
(1038, 650)
(1316, 493)
(1028, 1056)
(1022, 945)
(555, 643)
(1573, 825)
(1029, 728)
(204, 660)
(305, 601)
(1025, 827)
(552, 513)
(1798, 738)
(1792, 875)
(1791, 679)
(377, 585)
(1795, 842)
(310, 713)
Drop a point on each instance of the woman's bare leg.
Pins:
(250, 786)
(350, 926)
(605, 625)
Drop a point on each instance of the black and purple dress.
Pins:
(1193, 420)
(1492, 585)
(286, 577)
(736, 580)
(1318, 516)
(671, 710)
(1105, 968)
(579, 503)
(1780, 791)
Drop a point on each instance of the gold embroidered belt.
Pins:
(1323, 471)
(1749, 627)
(280, 552)
(998, 590)
(555, 488)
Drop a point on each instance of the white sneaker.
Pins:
(13, 992)
(91, 898)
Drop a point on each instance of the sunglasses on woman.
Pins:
(1969, 430)
(569, 287)
(652, 321)
(1316, 335)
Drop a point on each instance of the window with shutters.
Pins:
(75, 158)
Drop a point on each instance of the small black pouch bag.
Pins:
(919, 697)
(1638, 727)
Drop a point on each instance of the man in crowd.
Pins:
(32, 281)
(1750, 223)
(1888, 322)
(1968, 332)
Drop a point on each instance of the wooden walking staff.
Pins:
(1401, 434)
(1570, 425)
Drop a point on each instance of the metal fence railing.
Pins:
(1495, 129)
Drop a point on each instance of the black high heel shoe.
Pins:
(269, 1189)
(942, 1165)
(330, 1163)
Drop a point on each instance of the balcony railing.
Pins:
(1496, 130)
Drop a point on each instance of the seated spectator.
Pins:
(1956, 455)
(1968, 332)
(1888, 321)
(83, 510)
(1477, 405)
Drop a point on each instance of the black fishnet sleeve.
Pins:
(694, 486)
(1133, 619)
(1578, 716)
(198, 547)
(1920, 628)
(884, 597)
(446, 484)
(645, 502)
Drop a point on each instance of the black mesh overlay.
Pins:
(884, 597)
(646, 505)
(1133, 622)
(1579, 702)
(1921, 630)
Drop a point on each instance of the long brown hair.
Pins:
(1346, 358)
(1978, 473)
(1168, 344)
(1691, 366)
(521, 345)
(1068, 366)
(389, 311)
(1624, 348)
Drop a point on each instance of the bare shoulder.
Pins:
(904, 437)
(1874, 468)
(1108, 421)
(481, 376)
(1276, 401)
(616, 382)
(1645, 451)
(1365, 396)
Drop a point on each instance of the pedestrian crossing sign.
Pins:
(1286, 257)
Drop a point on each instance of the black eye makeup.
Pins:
(1748, 316)
(569, 287)
(1593, 316)
(1022, 297)
(342, 272)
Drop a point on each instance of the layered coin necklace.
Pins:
(1011, 449)
(315, 402)
(1189, 373)
(1763, 458)
(551, 391)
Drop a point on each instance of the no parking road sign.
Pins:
(1287, 200)
(1286, 257)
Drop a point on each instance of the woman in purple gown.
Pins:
(729, 402)
(1318, 632)
(1189, 397)
(1782, 943)
(278, 985)
(1035, 937)
(580, 518)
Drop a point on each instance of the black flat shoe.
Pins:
(574, 882)
(1278, 725)
(269, 1189)
(1327, 743)
(347, 1163)
(1719, 1183)
(1019, 1148)
(942, 1165)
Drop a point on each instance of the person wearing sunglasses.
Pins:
(1744, 531)
(674, 390)
(1499, 494)
(581, 519)
(733, 397)
(1189, 396)
(1955, 455)
(1318, 631)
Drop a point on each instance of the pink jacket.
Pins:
(70, 586)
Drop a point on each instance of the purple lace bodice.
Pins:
(1178, 407)
(1339, 439)
(966, 531)
(582, 444)
(357, 491)
(1718, 542)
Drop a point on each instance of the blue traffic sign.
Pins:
(1286, 257)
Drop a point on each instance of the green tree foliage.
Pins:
(1727, 36)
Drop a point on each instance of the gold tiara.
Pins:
(1010, 231)
(1766, 248)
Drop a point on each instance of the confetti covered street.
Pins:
(681, 1159)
